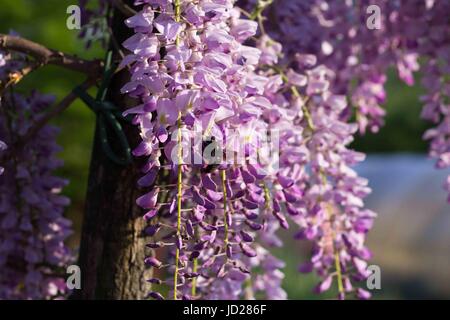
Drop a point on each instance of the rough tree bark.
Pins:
(112, 245)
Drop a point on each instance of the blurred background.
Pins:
(411, 238)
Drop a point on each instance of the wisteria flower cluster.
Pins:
(191, 69)
(193, 63)
(336, 33)
(246, 110)
(33, 255)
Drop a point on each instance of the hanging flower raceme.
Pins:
(359, 50)
(228, 206)
(198, 88)
(333, 33)
(243, 133)
(190, 67)
(315, 182)
(33, 256)
(434, 45)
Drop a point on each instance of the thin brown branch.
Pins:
(44, 55)
(124, 8)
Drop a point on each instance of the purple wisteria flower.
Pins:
(33, 255)
(190, 65)
(190, 69)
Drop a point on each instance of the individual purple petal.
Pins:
(189, 228)
(363, 294)
(247, 250)
(324, 285)
(143, 19)
(144, 149)
(197, 197)
(152, 229)
(246, 237)
(222, 272)
(162, 134)
(276, 206)
(249, 204)
(229, 251)
(214, 196)
(198, 214)
(200, 246)
(148, 201)
(207, 227)
(253, 225)
(149, 178)
(178, 242)
(256, 171)
(142, 45)
(285, 182)
(208, 183)
(283, 222)
(155, 295)
(209, 204)
(237, 275)
(154, 281)
(155, 245)
(248, 178)
(153, 262)
(150, 214)
(194, 255)
(167, 26)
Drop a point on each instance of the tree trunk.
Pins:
(112, 244)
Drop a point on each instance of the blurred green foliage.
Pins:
(404, 127)
(44, 21)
